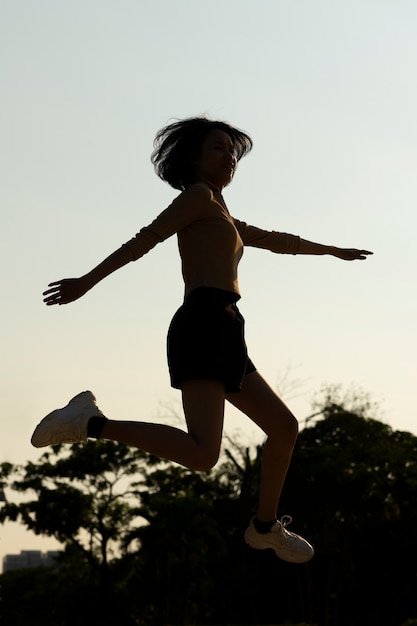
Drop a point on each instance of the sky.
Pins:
(327, 91)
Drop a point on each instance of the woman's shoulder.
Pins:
(194, 201)
(198, 190)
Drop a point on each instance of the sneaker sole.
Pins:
(289, 557)
(42, 434)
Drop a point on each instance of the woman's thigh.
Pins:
(203, 402)
(263, 406)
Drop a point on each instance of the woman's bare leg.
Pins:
(203, 402)
(260, 402)
(199, 448)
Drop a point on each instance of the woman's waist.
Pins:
(214, 295)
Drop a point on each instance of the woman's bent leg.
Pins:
(197, 449)
(259, 402)
(266, 409)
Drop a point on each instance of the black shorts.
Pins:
(206, 340)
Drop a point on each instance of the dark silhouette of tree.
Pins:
(356, 477)
(83, 496)
(149, 542)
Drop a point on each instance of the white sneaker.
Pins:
(67, 425)
(287, 545)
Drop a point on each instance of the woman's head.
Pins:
(182, 150)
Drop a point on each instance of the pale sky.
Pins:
(326, 89)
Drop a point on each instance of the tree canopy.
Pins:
(149, 542)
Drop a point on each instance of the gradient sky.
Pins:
(327, 90)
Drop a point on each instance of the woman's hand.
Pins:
(350, 254)
(65, 291)
(347, 254)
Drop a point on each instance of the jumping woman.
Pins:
(207, 354)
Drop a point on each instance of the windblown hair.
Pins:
(177, 145)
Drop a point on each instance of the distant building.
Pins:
(28, 559)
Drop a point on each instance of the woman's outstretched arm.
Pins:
(70, 289)
(285, 243)
(347, 254)
(185, 208)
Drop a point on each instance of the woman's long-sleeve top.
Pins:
(210, 240)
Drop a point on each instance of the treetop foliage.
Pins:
(149, 542)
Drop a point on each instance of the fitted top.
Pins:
(210, 240)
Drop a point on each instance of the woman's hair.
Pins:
(177, 145)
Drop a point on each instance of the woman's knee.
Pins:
(204, 460)
(293, 426)
(283, 425)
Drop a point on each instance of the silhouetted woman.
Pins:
(207, 354)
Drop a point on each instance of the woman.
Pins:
(207, 355)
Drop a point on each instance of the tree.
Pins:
(357, 476)
(85, 497)
(351, 489)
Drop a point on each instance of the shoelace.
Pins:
(287, 535)
(285, 520)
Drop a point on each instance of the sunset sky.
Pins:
(326, 89)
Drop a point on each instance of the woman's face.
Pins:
(216, 162)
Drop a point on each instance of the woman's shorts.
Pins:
(206, 340)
